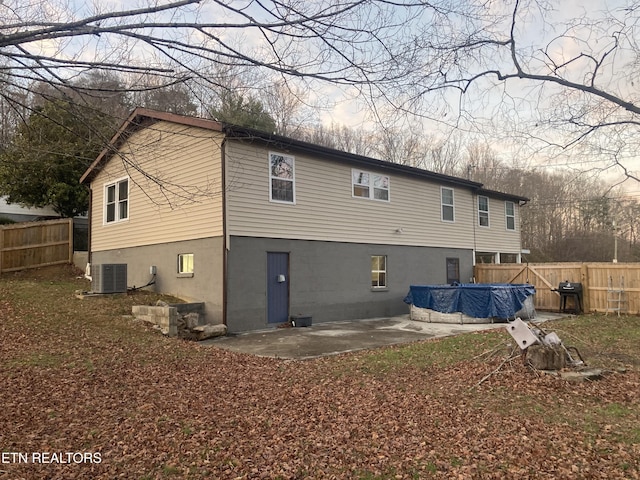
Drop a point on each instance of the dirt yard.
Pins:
(88, 392)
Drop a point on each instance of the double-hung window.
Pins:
(510, 215)
(116, 196)
(281, 178)
(378, 271)
(446, 197)
(370, 185)
(483, 211)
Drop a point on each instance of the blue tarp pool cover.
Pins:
(498, 300)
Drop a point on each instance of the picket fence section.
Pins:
(606, 286)
(36, 244)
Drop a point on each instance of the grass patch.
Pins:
(608, 341)
(441, 352)
(38, 360)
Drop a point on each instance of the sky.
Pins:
(512, 116)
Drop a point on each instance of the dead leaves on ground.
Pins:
(159, 408)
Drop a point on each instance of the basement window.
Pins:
(453, 271)
(185, 264)
(378, 271)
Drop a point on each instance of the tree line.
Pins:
(49, 142)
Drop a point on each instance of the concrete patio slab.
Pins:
(333, 338)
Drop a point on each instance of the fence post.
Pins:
(586, 294)
(71, 241)
(1, 248)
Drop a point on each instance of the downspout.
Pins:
(474, 200)
(89, 231)
(521, 204)
(225, 240)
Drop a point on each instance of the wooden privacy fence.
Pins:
(606, 286)
(36, 244)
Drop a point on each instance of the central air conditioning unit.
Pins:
(109, 278)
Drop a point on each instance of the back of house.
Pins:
(262, 228)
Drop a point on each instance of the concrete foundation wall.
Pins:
(331, 281)
(205, 285)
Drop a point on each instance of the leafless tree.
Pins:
(557, 80)
(338, 42)
(556, 77)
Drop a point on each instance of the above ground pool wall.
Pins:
(480, 301)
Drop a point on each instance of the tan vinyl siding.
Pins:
(325, 209)
(184, 203)
(497, 238)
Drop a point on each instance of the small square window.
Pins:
(185, 263)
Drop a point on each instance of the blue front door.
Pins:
(277, 287)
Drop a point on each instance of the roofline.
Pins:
(503, 195)
(139, 117)
(232, 131)
(136, 121)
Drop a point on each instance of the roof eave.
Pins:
(232, 131)
(134, 122)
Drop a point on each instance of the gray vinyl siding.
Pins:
(325, 209)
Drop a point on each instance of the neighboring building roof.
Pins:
(16, 209)
(142, 117)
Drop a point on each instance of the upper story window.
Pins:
(510, 215)
(370, 185)
(281, 178)
(446, 197)
(483, 211)
(116, 201)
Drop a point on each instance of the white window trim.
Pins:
(488, 225)
(507, 216)
(386, 277)
(293, 180)
(185, 274)
(452, 205)
(371, 186)
(117, 210)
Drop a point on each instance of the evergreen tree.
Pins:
(245, 112)
(43, 164)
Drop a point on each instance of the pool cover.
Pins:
(478, 300)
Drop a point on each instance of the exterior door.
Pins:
(277, 287)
